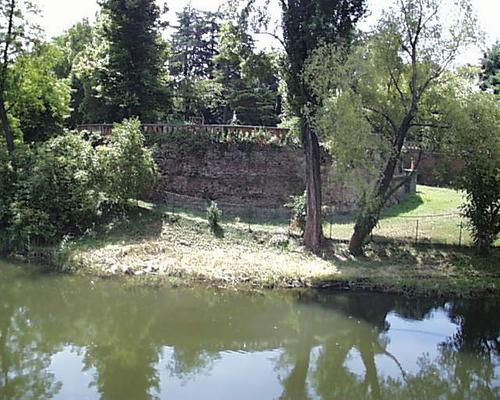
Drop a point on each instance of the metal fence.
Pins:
(445, 229)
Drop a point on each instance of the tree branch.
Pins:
(391, 192)
(385, 116)
(273, 35)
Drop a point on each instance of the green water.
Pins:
(72, 338)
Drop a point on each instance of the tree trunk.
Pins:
(370, 212)
(362, 230)
(9, 134)
(313, 235)
(483, 245)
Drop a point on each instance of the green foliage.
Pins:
(133, 79)
(39, 100)
(298, 205)
(249, 80)
(56, 190)
(214, 216)
(6, 188)
(128, 168)
(387, 86)
(490, 70)
(72, 44)
(75, 45)
(67, 184)
(194, 43)
(475, 138)
(306, 26)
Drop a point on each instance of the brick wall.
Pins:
(245, 173)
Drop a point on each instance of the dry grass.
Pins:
(155, 243)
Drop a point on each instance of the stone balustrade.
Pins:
(220, 132)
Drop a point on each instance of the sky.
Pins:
(58, 15)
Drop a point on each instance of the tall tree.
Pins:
(15, 36)
(194, 43)
(74, 44)
(490, 66)
(39, 101)
(133, 80)
(248, 79)
(307, 24)
(385, 89)
(194, 46)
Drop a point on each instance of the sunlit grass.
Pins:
(436, 211)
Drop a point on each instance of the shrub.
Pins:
(475, 138)
(128, 168)
(298, 205)
(65, 185)
(214, 216)
(56, 190)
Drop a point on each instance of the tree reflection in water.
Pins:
(137, 339)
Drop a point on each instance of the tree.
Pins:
(74, 45)
(134, 78)
(89, 66)
(15, 36)
(306, 26)
(194, 46)
(249, 80)
(387, 84)
(39, 101)
(474, 137)
(490, 74)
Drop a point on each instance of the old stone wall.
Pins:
(435, 169)
(245, 174)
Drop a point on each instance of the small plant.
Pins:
(214, 216)
(298, 205)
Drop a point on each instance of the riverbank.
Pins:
(156, 247)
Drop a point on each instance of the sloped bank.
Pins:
(158, 249)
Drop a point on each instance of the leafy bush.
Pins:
(56, 190)
(214, 216)
(475, 138)
(128, 168)
(298, 205)
(65, 185)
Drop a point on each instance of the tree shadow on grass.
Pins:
(410, 204)
(406, 206)
(430, 259)
(136, 224)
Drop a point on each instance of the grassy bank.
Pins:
(432, 215)
(158, 246)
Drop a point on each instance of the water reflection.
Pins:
(68, 338)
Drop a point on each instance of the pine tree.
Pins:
(490, 74)
(133, 81)
(194, 46)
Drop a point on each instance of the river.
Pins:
(67, 337)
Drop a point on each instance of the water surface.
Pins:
(64, 337)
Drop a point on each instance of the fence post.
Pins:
(460, 235)
(416, 232)
(249, 218)
(331, 223)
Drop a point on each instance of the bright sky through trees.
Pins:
(59, 15)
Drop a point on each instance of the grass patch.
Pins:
(435, 210)
(154, 244)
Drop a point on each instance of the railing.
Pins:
(223, 132)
